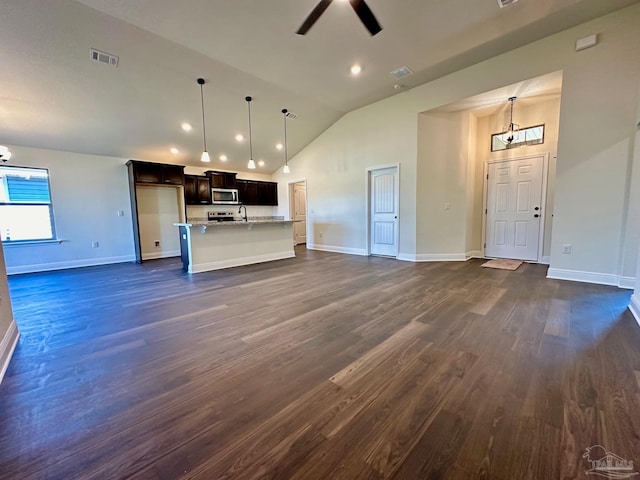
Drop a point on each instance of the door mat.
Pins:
(503, 264)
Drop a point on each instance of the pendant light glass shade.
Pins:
(205, 155)
(285, 169)
(251, 165)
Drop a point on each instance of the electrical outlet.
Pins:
(566, 248)
(95, 244)
(447, 206)
(121, 213)
(156, 243)
(320, 234)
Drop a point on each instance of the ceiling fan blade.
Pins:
(313, 16)
(366, 16)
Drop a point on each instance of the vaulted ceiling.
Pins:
(53, 96)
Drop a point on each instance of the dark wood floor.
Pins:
(325, 366)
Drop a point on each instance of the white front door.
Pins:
(383, 188)
(514, 208)
(300, 212)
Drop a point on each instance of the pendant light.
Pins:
(512, 128)
(252, 164)
(285, 169)
(205, 154)
(5, 153)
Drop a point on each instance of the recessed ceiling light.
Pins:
(356, 69)
(174, 150)
(186, 127)
(223, 158)
(261, 163)
(279, 146)
(239, 137)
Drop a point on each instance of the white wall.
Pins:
(87, 191)
(8, 328)
(545, 110)
(159, 207)
(598, 110)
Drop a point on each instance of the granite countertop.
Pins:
(203, 222)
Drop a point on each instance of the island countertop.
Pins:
(214, 223)
(211, 245)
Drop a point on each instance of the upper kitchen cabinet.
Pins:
(197, 190)
(156, 173)
(253, 192)
(268, 193)
(222, 179)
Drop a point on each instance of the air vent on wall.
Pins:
(290, 115)
(402, 72)
(506, 3)
(103, 57)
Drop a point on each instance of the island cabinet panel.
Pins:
(197, 190)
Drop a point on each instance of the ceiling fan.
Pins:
(362, 10)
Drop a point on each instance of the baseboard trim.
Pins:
(546, 260)
(158, 255)
(634, 306)
(239, 262)
(474, 254)
(90, 262)
(581, 276)
(433, 257)
(627, 282)
(334, 249)
(7, 347)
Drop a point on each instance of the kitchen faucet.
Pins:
(245, 212)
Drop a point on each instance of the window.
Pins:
(26, 212)
(521, 138)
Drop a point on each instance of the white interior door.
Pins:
(514, 208)
(383, 189)
(300, 213)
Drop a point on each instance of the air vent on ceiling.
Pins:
(290, 115)
(402, 72)
(506, 3)
(103, 57)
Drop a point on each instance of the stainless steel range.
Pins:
(220, 216)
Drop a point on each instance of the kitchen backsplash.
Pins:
(200, 211)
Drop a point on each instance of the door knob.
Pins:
(537, 208)
(536, 215)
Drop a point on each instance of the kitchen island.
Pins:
(212, 245)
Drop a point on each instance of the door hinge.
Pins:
(485, 211)
(485, 245)
(487, 176)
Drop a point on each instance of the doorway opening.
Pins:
(298, 211)
(515, 196)
(383, 198)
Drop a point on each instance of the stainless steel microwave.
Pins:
(224, 196)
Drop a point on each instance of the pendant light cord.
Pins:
(204, 128)
(286, 154)
(248, 99)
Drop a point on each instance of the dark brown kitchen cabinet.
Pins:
(222, 179)
(253, 192)
(267, 193)
(148, 174)
(197, 190)
(157, 173)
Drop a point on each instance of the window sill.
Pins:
(20, 243)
